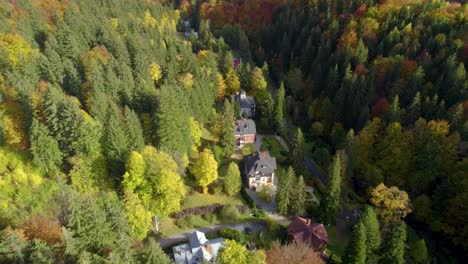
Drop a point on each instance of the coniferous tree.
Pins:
(372, 227)
(227, 139)
(115, 142)
(279, 109)
(297, 152)
(393, 247)
(298, 204)
(355, 252)
(133, 130)
(44, 147)
(329, 205)
(285, 195)
(394, 112)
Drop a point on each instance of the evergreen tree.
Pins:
(394, 112)
(456, 120)
(115, 142)
(133, 130)
(372, 227)
(329, 204)
(285, 195)
(232, 181)
(393, 247)
(279, 109)
(227, 139)
(44, 147)
(297, 152)
(415, 109)
(355, 252)
(298, 204)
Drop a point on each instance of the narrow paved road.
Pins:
(181, 237)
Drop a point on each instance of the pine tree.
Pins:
(393, 247)
(329, 203)
(372, 226)
(44, 147)
(115, 142)
(279, 109)
(355, 252)
(415, 109)
(393, 114)
(456, 119)
(297, 153)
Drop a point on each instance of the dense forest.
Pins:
(108, 113)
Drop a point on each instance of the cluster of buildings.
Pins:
(259, 167)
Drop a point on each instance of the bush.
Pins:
(217, 188)
(230, 213)
(185, 222)
(210, 218)
(266, 193)
(259, 213)
(250, 202)
(248, 149)
(231, 233)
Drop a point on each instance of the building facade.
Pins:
(260, 170)
(246, 104)
(244, 132)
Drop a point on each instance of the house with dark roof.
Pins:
(198, 250)
(259, 170)
(246, 103)
(244, 132)
(314, 234)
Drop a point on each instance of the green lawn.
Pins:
(198, 199)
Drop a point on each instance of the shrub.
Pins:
(266, 193)
(231, 233)
(248, 149)
(209, 217)
(259, 213)
(250, 202)
(185, 222)
(230, 213)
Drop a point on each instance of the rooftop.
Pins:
(260, 162)
(244, 127)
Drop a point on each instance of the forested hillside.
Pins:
(84, 86)
(110, 116)
(383, 80)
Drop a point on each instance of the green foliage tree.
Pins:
(279, 108)
(356, 250)
(44, 147)
(298, 206)
(393, 247)
(297, 152)
(372, 230)
(133, 129)
(329, 204)
(232, 181)
(285, 194)
(227, 139)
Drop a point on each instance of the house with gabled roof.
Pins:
(244, 132)
(260, 170)
(246, 104)
(304, 230)
(198, 250)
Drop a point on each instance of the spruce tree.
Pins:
(115, 142)
(329, 203)
(297, 153)
(285, 195)
(227, 122)
(393, 114)
(279, 109)
(44, 147)
(393, 247)
(133, 130)
(355, 252)
(298, 202)
(372, 226)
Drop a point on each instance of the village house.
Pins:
(246, 103)
(314, 234)
(259, 170)
(198, 250)
(244, 132)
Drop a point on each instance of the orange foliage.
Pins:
(361, 70)
(408, 67)
(380, 107)
(348, 39)
(361, 11)
(297, 252)
(8, 231)
(46, 229)
(13, 121)
(50, 8)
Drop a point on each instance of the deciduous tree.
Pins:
(205, 169)
(390, 203)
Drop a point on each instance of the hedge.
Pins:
(250, 202)
(209, 209)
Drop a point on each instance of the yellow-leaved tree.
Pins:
(205, 169)
(152, 186)
(391, 204)
(155, 71)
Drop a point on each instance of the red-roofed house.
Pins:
(314, 234)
